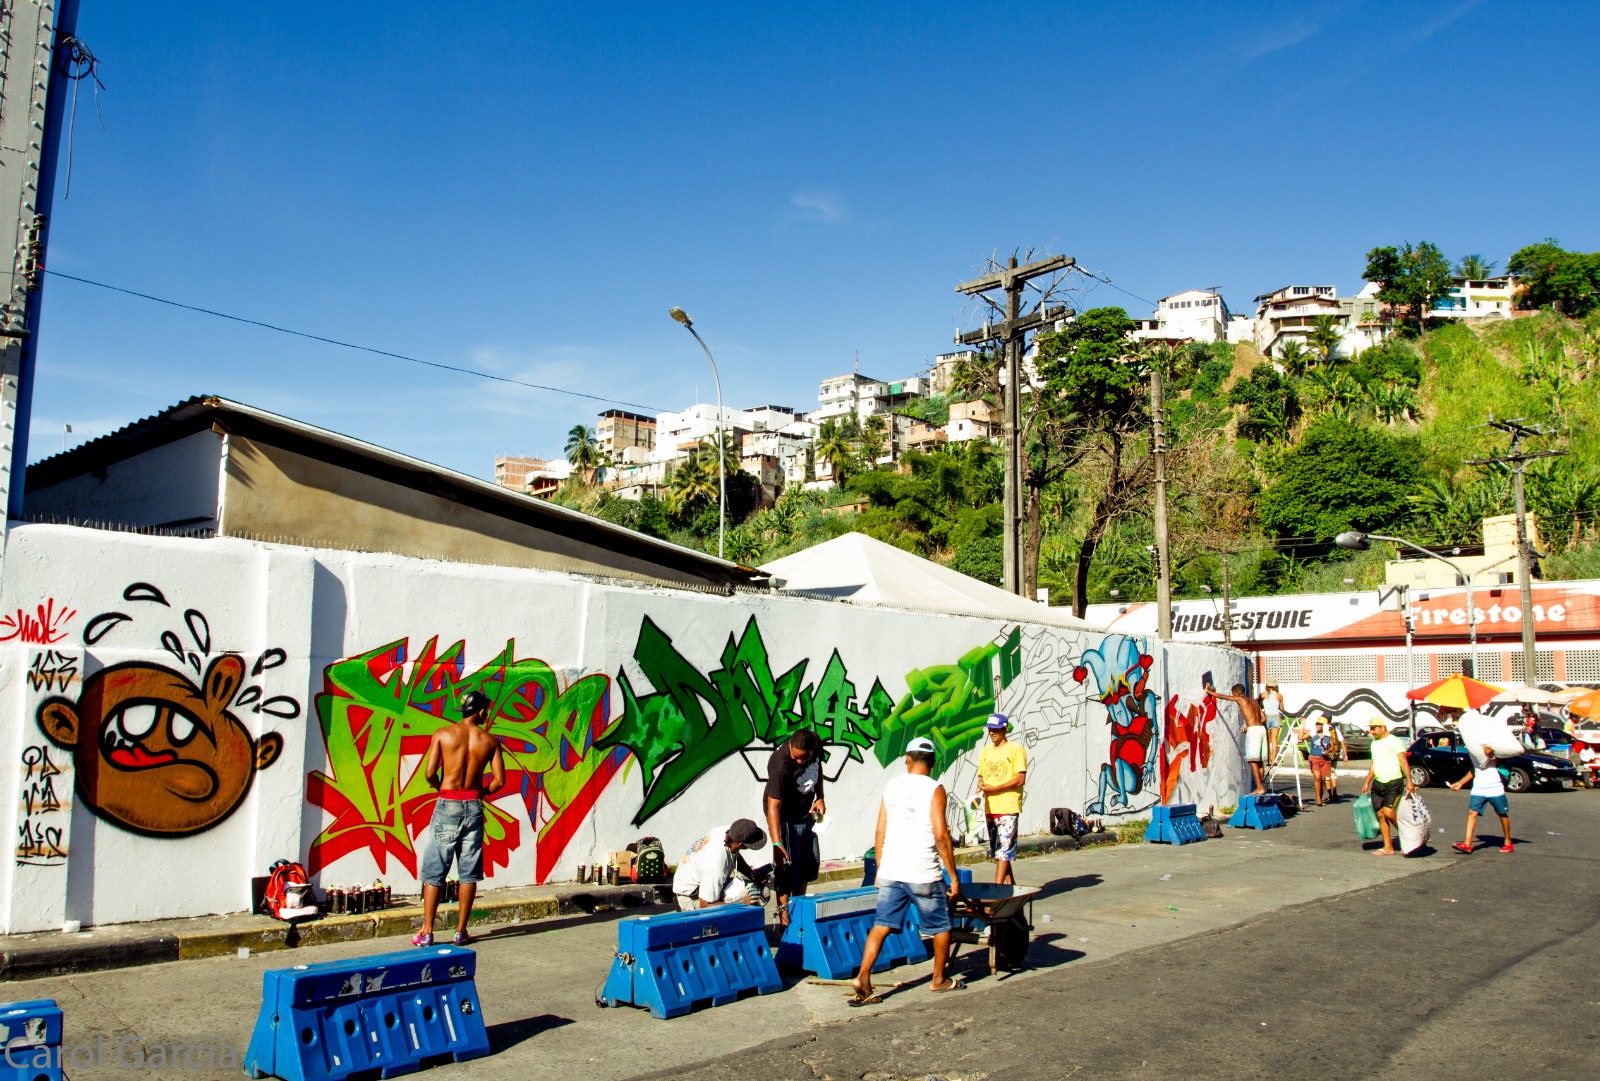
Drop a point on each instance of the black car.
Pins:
(1439, 756)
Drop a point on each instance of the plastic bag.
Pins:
(1366, 819)
(1416, 824)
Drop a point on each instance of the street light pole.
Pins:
(1357, 541)
(722, 480)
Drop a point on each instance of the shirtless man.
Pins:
(457, 758)
(1255, 734)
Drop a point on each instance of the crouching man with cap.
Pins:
(707, 874)
(913, 840)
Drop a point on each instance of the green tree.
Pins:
(1340, 476)
(692, 484)
(1410, 277)
(872, 440)
(1293, 356)
(982, 558)
(1549, 276)
(1099, 387)
(583, 452)
(1327, 331)
(1474, 267)
(833, 445)
(1270, 403)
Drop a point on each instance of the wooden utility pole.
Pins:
(1163, 564)
(1518, 464)
(1010, 333)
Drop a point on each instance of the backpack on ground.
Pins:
(289, 893)
(1065, 822)
(649, 861)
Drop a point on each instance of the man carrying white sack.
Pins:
(706, 875)
(1488, 790)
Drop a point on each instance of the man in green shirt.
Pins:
(1388, 778)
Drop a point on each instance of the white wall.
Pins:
(319, 638)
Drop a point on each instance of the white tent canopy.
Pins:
(858, 569)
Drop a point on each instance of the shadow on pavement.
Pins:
(507, 1034)
(1058, 886)
(539, 927)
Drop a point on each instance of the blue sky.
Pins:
(526, 188)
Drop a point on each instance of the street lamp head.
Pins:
(681, 316)
(1205, 589)
(1355, 541)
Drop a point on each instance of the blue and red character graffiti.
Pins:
(1122, 671)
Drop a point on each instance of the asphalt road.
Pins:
(1482, 966)
(1263, 954)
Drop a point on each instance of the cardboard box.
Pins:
(622, 861)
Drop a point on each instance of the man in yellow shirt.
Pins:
(1002, 771)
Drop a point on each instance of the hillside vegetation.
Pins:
(1269, 460)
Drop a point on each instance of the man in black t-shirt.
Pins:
(794, 796)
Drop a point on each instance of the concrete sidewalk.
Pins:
(537, 981)
(54, 953)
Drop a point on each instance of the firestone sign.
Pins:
(1570, 607)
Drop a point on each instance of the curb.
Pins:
(35, 962)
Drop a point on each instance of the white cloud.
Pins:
(820, 207)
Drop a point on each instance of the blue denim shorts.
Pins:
(454, 836)
(1477, 803)
(932, 904)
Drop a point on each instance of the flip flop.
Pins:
(956, 984)
(1462, 846)
(858, 999)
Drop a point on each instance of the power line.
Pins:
(353, 345)
(1107, 281)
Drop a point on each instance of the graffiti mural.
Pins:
(378, 712)
(52, 670)
(1121, 671)
(675, 739)
(1185, 741)
(44, 626)
(155, 749)
(39, 836)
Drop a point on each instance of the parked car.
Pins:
(1358, 737)
(1439, 756)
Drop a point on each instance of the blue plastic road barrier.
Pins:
(827, 935)
(30, 1032)
(1174, 824)
(1257, 813)
(389, 1014)
(677, 961)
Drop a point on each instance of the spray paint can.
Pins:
(335, 899)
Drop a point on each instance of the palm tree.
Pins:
(743, 545)
(1475, 267)
(833, 446)
(1393, 403)
(1325, 334)
(694, 481)
(1293, 356)
(583, 450)
(872, 441)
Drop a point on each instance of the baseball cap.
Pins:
(474, 702)
(747, 833)
(921, 745)
(997, 720)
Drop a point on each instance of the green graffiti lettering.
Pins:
(675, 739)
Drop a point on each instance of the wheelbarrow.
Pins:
(1007, 911)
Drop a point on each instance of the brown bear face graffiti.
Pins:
(156, 754)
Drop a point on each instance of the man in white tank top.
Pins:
(913, 839)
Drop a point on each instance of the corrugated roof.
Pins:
(203, 411)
